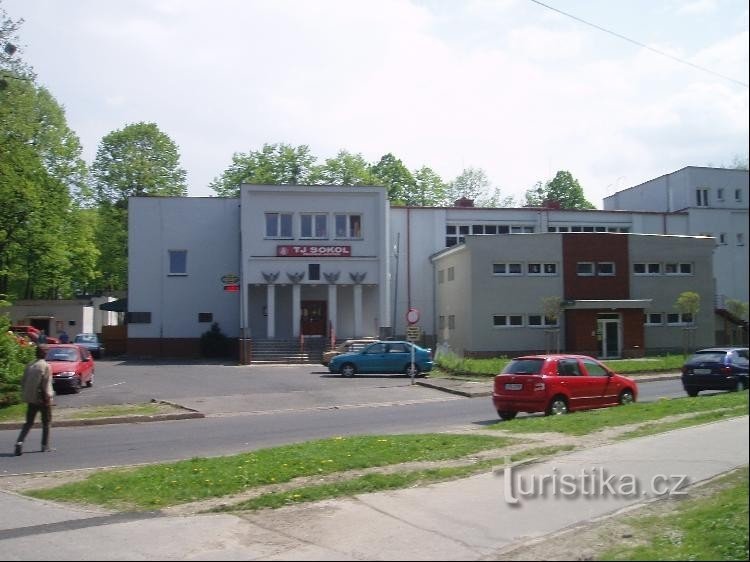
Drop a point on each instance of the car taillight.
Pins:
(539, 386)
(726, 369)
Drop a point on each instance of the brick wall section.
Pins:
(595, 247)
(581, 331)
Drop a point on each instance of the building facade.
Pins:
(296, 262)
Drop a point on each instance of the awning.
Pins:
(120, 305)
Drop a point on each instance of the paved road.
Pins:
(468, 519)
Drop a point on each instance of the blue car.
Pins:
(716, 368)
(383, 357)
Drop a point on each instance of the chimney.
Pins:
(464, 202)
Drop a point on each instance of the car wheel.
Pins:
(409, 372)
(693, 392)
(76, 387)
(626, 397)
(348, 370)
(557, 406)
(506, 415)
(90, 382)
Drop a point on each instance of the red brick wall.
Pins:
(595, 247)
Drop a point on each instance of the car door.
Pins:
(373, 359)
(87, 365)
(600, 387)
(572, 383)
(399, 355)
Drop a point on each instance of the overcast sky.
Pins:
(509, 86)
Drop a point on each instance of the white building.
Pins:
(302, 262)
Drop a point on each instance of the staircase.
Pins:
(284, 352)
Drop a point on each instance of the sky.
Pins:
(513, 87)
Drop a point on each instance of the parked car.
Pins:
(383, 357)
(345, 347)
(72, 366)
(558, 384)
(716, 368)
(32, 333)
(90, 342)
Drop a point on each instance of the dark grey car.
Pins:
(716, 368)
(90, 342)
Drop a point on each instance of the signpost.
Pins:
(412, 334)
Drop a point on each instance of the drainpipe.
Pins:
(408, 258)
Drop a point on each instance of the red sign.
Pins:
(314, 251)
(231, 288)
(412, 316)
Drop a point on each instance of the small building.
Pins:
(74, 316)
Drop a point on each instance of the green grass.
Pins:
(379, 482)
(18, 412)
(453, 365)
(712, 528)
(583, 423)
(660, 427)
(161, 485)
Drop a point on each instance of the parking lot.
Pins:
(225, 389)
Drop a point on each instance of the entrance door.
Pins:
(314, 318)
(608, 335)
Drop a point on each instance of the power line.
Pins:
(628, 39)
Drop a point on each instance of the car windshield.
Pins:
(86, 338)
(709, 356)
(524, 367)
(62, 355)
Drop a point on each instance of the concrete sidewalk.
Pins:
(466, 519)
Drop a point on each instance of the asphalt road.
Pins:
(247, 408)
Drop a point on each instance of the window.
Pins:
(278, 225)
(539, 320)
(738, 195)
(451, 322)
(138, 317)
(348, 226)
(568, 368)
(177, 262)
(550, 269)
(740, 239)
(701, 197)
(534, 268)
(678, 268)
(313, 271)
(675, 319)
(653, 319)
(205, 317)
(686, 268)
(441, 323)
(720, 194)
(398, 348)
(584, 268)
(723, 238)
(313, 226)
(507, 269)
(594, 369)
(606, 268)
(542, 269)
(507, 320)
(451, 273)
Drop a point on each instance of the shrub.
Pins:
(214, 343)
(13, 359)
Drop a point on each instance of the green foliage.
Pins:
(688, 302)
(274, 164)
(214, 343)
(429, 188)
(392, 173)
(345, 169)
(13, 359)
(470, 183)
(563, 190)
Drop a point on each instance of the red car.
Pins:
(558, 384)
(72, 366)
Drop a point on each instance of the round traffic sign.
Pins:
(412, 315)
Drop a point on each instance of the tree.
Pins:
(688, 303)
(136, 161)
(12, 67)
(563, 190)
(552, 308)
(738, 309)
(345, 169)
(391, 172)
(429, 188)
(274, 164)
(495, 199)
(471, 183)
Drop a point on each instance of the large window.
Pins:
(507, 320)
(348, 226)
(507, 269)
(313, 225)
(278, 225)
(177, 262)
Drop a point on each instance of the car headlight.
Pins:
(66, 374)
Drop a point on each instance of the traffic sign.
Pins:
(413, 333)
(412, 315)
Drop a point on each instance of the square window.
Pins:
(177, 262)
(550, 269)
(535, 268)
(605, 268)
(313, 272)
(584, 268)
(205, 317)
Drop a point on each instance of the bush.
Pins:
(13, 359)
(214, 343)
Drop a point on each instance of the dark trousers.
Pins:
(31, 412)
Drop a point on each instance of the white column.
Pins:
(357, 310)
(270, 311)
(332, 310)
(296, 309)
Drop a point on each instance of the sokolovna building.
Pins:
(306, 264)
